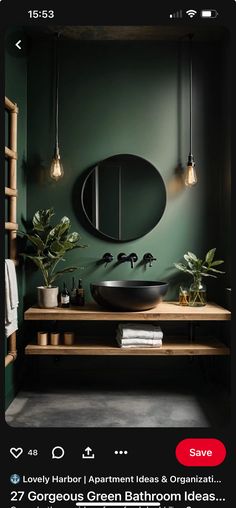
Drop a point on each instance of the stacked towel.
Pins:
(139, 335)
(11, 298)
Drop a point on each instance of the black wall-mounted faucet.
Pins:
(107, 258)
(148, 258)
(131, 257)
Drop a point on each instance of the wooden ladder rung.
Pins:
(10, 192)
(10, 153)
(12, 226)
(10, 105)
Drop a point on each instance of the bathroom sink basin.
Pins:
(131, 295)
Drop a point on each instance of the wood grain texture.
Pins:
(106, 347)
(165, 311)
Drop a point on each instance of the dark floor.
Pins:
(111, 396)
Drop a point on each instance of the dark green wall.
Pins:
(16, 91)
(125, 98)
(130, 98)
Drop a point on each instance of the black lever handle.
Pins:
(121, 257)
(149, 258)
(107, 257)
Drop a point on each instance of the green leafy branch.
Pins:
(200, 267)
(49, 244)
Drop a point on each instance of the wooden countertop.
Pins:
(164, 311)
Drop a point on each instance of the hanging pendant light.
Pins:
(56, 169)
(190, 174)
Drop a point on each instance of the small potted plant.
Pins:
(49, 245)
(199, 268)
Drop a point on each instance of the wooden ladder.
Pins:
(11, 225)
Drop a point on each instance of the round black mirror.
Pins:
(123, 197)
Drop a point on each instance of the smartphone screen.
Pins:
(117, 142)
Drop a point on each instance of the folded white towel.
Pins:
(137, 341)
(11, 298)
(141, 345)
(142, 331)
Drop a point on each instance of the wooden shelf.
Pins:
(165, 311)
(105, 347)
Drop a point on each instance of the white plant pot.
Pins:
(47, 297)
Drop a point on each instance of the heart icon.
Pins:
(16, 452)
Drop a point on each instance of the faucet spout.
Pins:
(121, 258)
(133, 258)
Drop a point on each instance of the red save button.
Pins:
(200, 452)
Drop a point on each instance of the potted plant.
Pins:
(49, 245)
(199, 268)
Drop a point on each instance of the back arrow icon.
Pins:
(18, 44)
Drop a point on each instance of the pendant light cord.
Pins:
(57, 94)
(191, 92)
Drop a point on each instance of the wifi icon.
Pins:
(191, 13)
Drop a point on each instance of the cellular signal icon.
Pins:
(178, 14)
(191, 13)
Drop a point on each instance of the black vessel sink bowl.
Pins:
(129, 295)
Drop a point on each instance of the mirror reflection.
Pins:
(124, 197)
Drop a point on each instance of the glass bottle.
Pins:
(197, 293)
(183, 295)
(65, 296)
(73, 293)
(80, 294)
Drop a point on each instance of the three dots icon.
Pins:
(121, 452)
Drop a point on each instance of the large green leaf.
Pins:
(191, 265)
(64, 224)
(218, 262)
(59, 230)
(72, 247)
(41, 219)
(192, 256)
(210, 256)
(73, 237)
(38, 260)
(186, 257)
(68, 269)
(57, 247)
(61, 272)
(216, 271)
(181, 266)
(36, 240)
(204, 274)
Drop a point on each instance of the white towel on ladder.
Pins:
(11, 298)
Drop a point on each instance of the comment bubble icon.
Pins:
(58, 452)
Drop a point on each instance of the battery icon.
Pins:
(209, 13)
